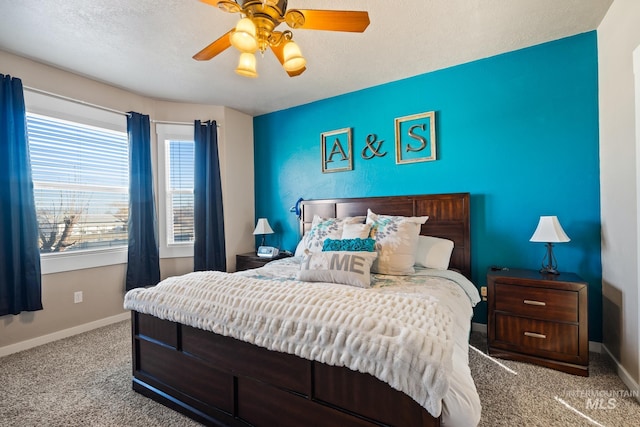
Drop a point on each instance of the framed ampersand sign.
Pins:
(415, 142)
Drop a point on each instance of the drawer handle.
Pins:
(534, 335)
(530, 302)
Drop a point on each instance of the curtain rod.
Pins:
(100, 107)
(164, 122)
(77, 101)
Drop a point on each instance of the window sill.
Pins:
(177, 251)
(69, 261)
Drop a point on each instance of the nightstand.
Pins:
(251, 260)
(539, 318)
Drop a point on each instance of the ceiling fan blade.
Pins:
(279, 53)
(214, 48)
(226, 5)
(329, 20)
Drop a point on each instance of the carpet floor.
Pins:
(85, 380)
(529, 395)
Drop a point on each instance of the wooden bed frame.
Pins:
(222, 381)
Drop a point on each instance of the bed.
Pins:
(217, 377)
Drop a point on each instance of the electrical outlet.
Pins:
(77, 297)
(483, 291)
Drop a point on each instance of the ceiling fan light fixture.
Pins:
(244, 36)
(257, 30)
(293, 59)
(247, 65)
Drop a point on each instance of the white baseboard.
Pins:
(624, 375)
(594, 346)
(479, 327)
(65, 333)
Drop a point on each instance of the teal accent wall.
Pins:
(519, 131)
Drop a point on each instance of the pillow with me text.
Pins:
(342, 267)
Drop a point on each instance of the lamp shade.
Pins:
(247, 65)
(549, 230)
(263, 227)
(293, 59)
(244, 36)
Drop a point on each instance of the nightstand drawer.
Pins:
(535, 335)
(541, 303)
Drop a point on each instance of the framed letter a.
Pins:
(337, 151)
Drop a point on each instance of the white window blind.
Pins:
(81, 180)
(176, 165)
(179, 191)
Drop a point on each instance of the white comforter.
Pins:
(403, 331)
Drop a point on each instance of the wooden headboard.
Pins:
(448, 217)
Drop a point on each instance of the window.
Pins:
(176, 179)
(179, 191)
(80, 167)
(81, 185)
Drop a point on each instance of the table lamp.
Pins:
(263, 227)
(549, 231)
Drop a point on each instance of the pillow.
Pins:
(326, 228)
(396, 242)
(346, 268)
(356, 231)
(353, 245)
(300, 247)
(433, 252)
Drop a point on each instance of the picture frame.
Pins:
(337, 143)
(416, 138)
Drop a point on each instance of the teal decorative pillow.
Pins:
(346, 268)
(353, 245)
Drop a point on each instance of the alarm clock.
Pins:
(267, 252)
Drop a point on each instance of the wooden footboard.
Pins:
(221, 381)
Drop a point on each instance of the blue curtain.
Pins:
(208, 251)
(20, 279)
(143, 266)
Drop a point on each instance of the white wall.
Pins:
(103, 287)
(238, 159)
(618, 37)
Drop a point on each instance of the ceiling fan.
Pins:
(256, 31)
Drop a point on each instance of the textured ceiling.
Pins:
(145, 46)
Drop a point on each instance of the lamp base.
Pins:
(550, 267)
(549, 270)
